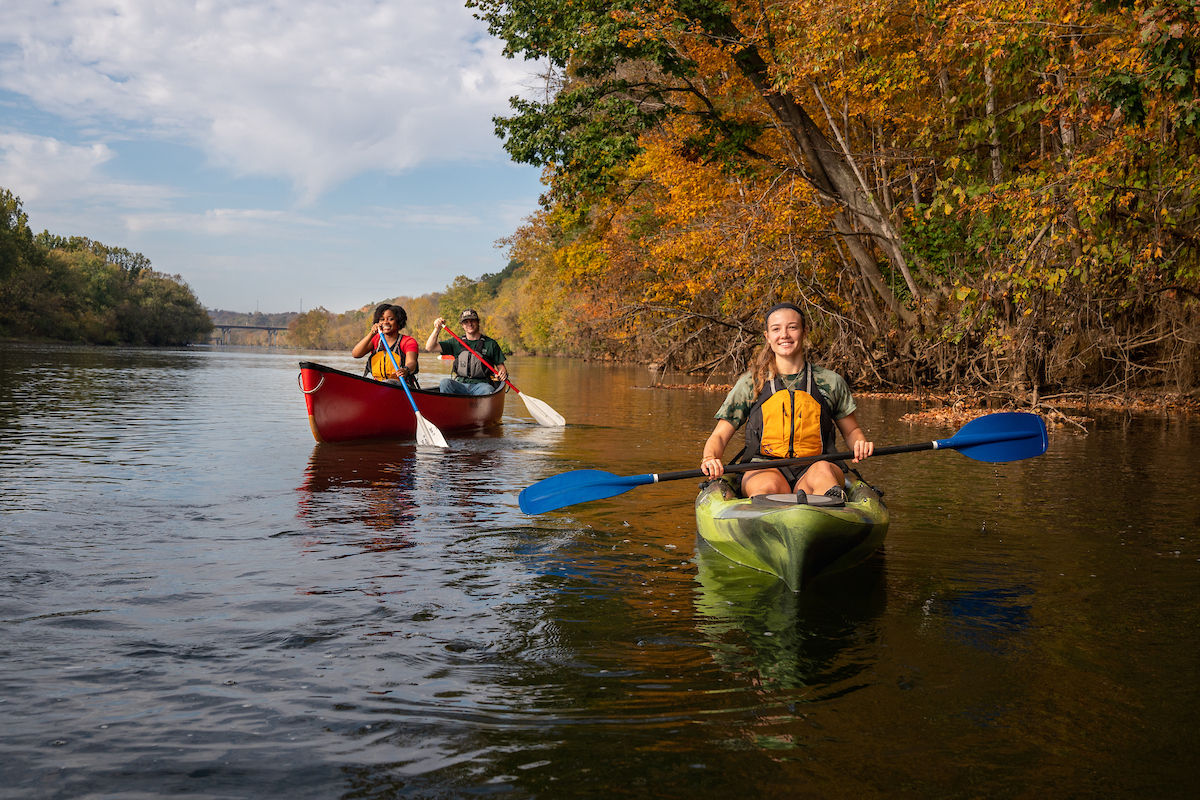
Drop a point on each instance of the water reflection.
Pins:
(369, 483)
(756, 627)
(993, 619)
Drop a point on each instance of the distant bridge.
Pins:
(272, 331)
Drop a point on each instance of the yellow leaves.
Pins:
(581, 260)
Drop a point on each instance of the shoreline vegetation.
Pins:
(995, 196)
(75, 289)
(1075, 409)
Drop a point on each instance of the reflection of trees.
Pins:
(754, 624)
(994, 619)
(367, 483)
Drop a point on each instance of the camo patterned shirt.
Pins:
(741, 397)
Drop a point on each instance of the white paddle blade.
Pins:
(542, 413)
(427, 433)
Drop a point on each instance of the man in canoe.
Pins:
(471, 376)
(791, 409)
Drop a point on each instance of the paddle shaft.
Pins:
(996, 438)
(481, 359)
(956, 443)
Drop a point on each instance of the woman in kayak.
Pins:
(791, 409)
(387, 322)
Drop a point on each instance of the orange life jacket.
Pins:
(790, 423)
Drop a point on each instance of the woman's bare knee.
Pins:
(764, 481)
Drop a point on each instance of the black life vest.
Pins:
(791, 423)
(466, 365)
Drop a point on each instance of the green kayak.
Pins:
(793, 541)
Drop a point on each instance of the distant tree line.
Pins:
(496, 296)
(75, 289)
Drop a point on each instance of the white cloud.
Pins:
(314, 91)
(272, 222)
(223, 222)
(40, 167)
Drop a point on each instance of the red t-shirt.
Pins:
(379, 365)
(407, 345)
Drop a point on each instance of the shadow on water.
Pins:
(757, 627)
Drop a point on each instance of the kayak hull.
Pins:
(794, 542)
(343, 407)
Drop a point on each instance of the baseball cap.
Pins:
(468, 314)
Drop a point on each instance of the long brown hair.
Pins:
(763, 366)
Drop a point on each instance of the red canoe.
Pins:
(343, 406)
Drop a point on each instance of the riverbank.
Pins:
(1072, 409)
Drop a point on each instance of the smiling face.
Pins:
(785, 333)
(388, 322)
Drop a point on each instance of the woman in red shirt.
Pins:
(387, 323)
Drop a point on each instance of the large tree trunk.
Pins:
(831, 175)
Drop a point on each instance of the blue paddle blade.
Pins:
(999, 437)
(577, 486)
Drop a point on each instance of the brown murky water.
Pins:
(200, 601)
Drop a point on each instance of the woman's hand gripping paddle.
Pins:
(541, 413)
(427, 432)
(1005, 436)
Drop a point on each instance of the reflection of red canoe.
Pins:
(343, 406)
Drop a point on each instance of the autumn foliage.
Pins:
(973, 193)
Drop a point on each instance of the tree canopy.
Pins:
(79, 290)
(969, 192)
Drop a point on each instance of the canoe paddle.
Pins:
(427, 432)
(1004, 436)
(540, 411)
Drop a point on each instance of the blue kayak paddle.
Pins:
(1004, 436)
(427, 432)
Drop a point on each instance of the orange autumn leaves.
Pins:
(1020, 159)
(693, 236)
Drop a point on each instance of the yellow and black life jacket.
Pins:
(790, 423)
(379, 365)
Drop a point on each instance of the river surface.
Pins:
(197, 600)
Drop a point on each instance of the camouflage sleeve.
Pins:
(836, 390)
(737, 403)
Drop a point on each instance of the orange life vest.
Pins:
(790, 423)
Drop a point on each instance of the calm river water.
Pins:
(199, 601)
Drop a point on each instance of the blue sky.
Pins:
(277, 154)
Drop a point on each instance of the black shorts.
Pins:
(793, 474)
